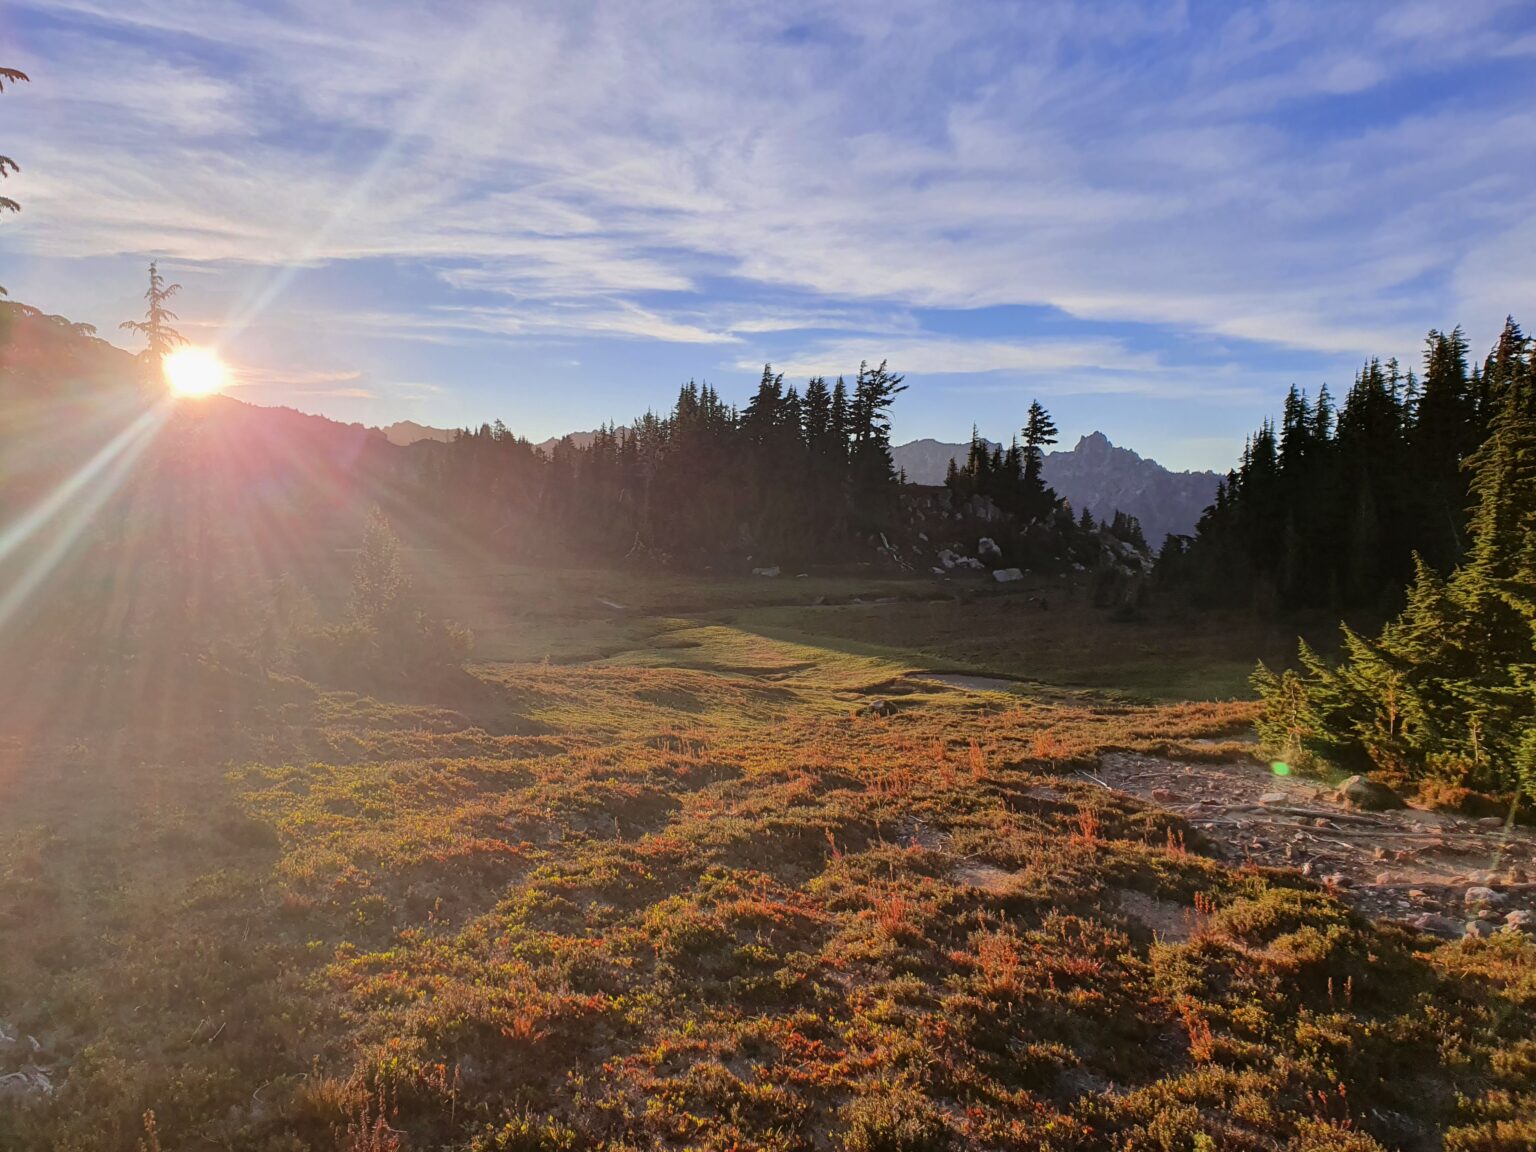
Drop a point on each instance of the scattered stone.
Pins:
(877, 708)
(1437, 924)
(1383, 879)
(987, 549)
(1479, 928)
(30, 1081)
(1368, 795)
(947, 558)
(1336, 880)
(773, 571)
(1273, 798)
(1007, 575)
(1491, 822)
(1164, 795)
(1480, 897)
(1417, 894)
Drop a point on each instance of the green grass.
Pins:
(682, 895)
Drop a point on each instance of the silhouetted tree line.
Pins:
(792, 473)
(1330, 507)
(1447, 692)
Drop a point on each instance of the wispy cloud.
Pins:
(963, 357)
(1327, 179)
(301, 382)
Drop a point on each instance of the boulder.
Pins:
(1480, 897)
(1007, 575)
(1480, 928)
(948, 558)
(1519, 921)
(1366, 794)
(876, 709)
(988, 551)
(1439, 925)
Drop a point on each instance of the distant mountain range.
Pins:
(1095, 475)
(403, 432)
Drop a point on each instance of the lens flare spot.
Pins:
(193, 371)
(1280, 768)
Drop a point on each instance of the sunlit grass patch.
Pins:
(696, 895)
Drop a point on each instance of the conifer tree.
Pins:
(817, 417)
(7, 165)
(840, 432)
(156, 327)
(872, 471)
(1039, 434)
(380, 587)
(1448, 687)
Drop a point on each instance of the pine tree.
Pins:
(840, 431)
(7, 165)
(380, 586)
(872, 471)
(156, 325)
(1039, 434)
(817, 417)
(1448, 687)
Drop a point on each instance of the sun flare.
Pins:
(193, 371)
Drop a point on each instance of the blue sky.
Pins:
(1152, 216)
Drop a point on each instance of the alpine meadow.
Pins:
(891, 577)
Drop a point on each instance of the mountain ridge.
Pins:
(1094, 474)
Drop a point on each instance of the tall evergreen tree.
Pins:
(156, 327)
(1448, 688)
(7, 165)
(1039, 434)
(380, 586)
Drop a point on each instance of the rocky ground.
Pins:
(1440, 873)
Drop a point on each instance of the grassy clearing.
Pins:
(683, 896)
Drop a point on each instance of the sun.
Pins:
(193, 371)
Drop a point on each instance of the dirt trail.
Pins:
(1408, 865)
